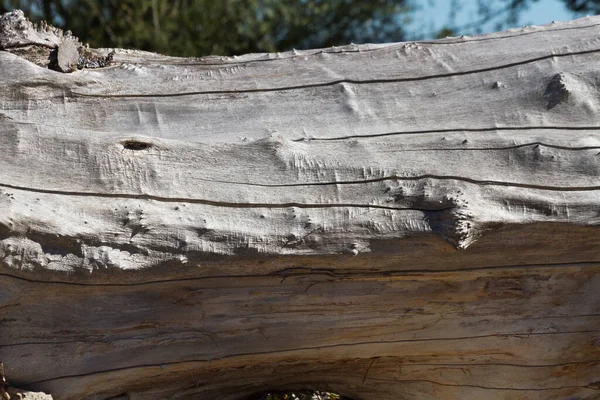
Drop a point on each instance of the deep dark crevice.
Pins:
(56, 244)
(62, 245)
(5, 231)
(135, 145)
(53, 60)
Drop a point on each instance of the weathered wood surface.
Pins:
(398, 221)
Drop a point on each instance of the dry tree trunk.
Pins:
(396, 221)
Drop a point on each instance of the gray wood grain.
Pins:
(394, 221)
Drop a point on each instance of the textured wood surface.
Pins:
(395, 221)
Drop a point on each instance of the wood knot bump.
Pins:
(557, 90)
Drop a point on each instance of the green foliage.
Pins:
(584, 6)
(505, 14)
(226, 27)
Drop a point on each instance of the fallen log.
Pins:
(391, 221)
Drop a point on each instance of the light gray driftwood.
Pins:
(395, 221)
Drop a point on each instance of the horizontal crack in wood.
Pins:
(300, 349)
(484, 387)
(340, 81)
(453, 130)
(316, 205)
(279, 274)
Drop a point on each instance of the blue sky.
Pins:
(434, 14)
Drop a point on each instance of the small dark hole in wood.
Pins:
(135, 145)
(53, 60)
